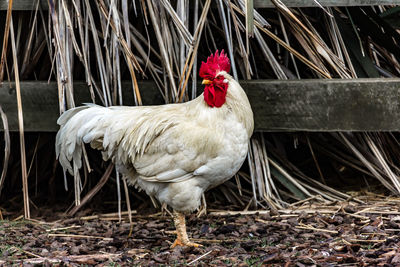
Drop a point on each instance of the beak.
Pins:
(206, 82)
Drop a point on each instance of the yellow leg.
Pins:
(182, 238)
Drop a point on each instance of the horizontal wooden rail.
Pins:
(312, 3)
(29, 4)
(295, 105)
(23, 4)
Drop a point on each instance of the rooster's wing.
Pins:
(160, 142)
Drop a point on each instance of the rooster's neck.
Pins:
(238, 103)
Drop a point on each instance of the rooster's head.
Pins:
(216, 84)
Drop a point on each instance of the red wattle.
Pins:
(215, 93)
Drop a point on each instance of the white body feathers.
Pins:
(174, 152)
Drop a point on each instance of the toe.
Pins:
(177, 242)
(192, 244)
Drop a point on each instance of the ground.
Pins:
(308, 234)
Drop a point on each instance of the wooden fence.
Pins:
(290, 105)
(295, 105)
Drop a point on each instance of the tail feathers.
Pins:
(121, 133)
(69, 114)
(75, 125)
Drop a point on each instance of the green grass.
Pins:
(12, 250)
(113, 264)
(253, 261)
(12, 223)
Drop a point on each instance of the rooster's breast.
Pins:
(187, 159)
(230, 157)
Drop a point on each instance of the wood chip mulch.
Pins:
(310, 234)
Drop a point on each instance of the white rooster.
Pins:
(174, 152)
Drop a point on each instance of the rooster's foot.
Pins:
(182, 238)
(180, 243)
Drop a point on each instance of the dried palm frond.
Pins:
(5, 41)
(106, 42)
(6, 148)
(21, 125)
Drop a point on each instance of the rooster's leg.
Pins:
(182, 238)
(203, 207)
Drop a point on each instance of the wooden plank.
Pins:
(40, 102)
(295, 105)
(311, 3)
(29, 4)
(326, 105)
(23, 4)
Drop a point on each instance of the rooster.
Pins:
(173, 152)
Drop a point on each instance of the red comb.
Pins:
(215, 63)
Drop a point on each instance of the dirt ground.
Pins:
(310, 234)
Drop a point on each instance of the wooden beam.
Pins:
(311, 3)
(326, 105)
(295, 105)
(29, 4)
(23, 4)
(40, 102)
